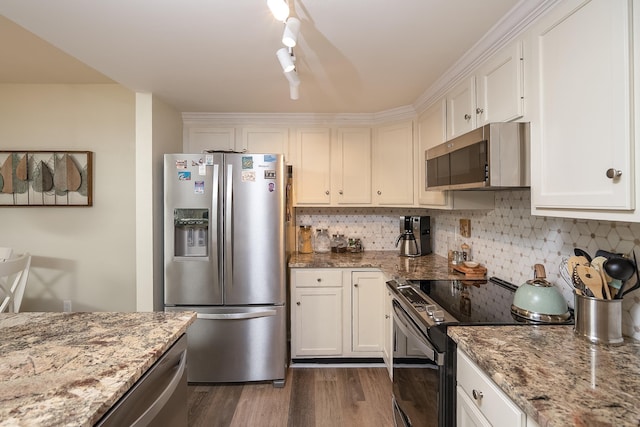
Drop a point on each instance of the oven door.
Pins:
(418, 375)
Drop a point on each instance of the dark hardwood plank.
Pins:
(312, 397)
(302, 404)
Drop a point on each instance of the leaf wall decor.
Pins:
(46, 178)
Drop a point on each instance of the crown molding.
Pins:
(298, 119)
(512, 25)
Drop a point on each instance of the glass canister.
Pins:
(323, 241)
(342, 243)
(305, 237)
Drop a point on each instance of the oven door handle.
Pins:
(407, 327)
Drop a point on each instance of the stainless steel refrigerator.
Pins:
(224, 258)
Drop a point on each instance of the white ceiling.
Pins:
(353, 56)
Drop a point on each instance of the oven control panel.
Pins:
(429, 312)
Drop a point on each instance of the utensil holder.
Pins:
(598, 320)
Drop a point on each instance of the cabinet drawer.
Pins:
(304, 278)
(494, 404)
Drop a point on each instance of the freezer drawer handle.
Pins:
(235, 316)
(164, 397)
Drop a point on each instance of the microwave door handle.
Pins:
(228, 218)
(407, 328)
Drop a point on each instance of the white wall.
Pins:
(158, 131)
(83, 254)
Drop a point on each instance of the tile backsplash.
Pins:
(508, 239)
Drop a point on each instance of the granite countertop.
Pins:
(432, 266)
(555, 376)
(70, 368)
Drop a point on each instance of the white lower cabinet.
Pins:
(316, 313)
(387, 346)
(368, 291)
(480, 402)
(337, 312)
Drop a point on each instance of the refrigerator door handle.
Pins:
(213, 221)
(228, 259)
(237, 316)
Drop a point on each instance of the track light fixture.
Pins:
(279, 9)
(291, 30)
(286, 58)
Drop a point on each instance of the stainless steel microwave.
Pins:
(491, 157)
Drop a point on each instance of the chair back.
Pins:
(13, 280)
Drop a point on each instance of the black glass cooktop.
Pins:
(473, 302)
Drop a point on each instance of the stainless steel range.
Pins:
(424, 368)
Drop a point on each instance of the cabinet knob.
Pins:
(298, 303)
(379, 192)
(355, 285)
(477, 394)
(340, 192)
(467, 117)
(613, 173)
(479, 110)
(319, 280)
(326, 192)
(386, 316)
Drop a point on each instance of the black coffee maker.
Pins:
(415, 236)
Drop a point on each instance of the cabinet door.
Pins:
(500, 86)
(199, 139)
(393, 165)
(265, 140)
(467, 415)
(313, 164)
(351, 167)
(387, 346)
(316, 323)
(368, 291)
(583, 124)
(431, 132)
(461, 108)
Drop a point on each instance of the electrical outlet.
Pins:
(465, 227)
(66, 306)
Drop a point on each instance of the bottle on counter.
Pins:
(305, 237)
(322, 243)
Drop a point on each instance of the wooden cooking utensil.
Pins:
(598, 264)
(591, 279)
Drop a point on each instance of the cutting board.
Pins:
(478, 272)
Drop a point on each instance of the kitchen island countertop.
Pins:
(70, 368)
(555, 376)
(432, 266)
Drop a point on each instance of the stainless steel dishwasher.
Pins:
(159, 398)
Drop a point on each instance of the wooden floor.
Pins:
(312, 397)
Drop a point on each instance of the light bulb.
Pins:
(279, 9)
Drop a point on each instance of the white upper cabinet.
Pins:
(431, 132)
(265, 140)
(500, 87)
(494, 93)
(582, 125)
(393, 164)
(351, 166)
(199, 139)
(461, 108)
(312, 169)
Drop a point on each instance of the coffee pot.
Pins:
(409, 247)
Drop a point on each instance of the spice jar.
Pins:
(305, 244)
(323, 241)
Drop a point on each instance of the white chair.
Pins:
(13, 279)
